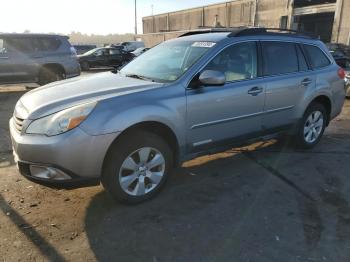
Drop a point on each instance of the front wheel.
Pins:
(137, 167)
(312, 126)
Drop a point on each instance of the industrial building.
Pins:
(329, 19)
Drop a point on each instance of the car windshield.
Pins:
(168, 61)
(92, 51)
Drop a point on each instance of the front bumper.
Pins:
(75, 155)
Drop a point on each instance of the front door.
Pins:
(217, 115)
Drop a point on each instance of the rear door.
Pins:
(6, 69)
(19, 65)
(287, 78)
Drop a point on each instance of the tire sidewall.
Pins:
(300, 136)
(120, 151)
(85, 66)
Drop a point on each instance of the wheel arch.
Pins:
(155, 127)
(55, 66)
(326, 102)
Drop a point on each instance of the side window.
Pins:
(316, 57)
(99, 52)
(49, 44)
(114, 51)
(279, 58)
(237, 62)
(20, 44)
(2, 47)
(301, 59)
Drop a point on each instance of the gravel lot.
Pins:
(264, 202)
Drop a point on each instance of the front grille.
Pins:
(18, 123)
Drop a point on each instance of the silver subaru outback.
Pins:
(201, 93)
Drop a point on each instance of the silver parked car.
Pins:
(203, 92)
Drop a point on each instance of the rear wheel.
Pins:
(137, 167)
(50, 74)
(85, 66)
(312, 126)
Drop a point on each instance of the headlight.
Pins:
(62, 121)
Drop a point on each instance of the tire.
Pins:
(48, 75)
(85, 66)
(124, 162)
(311, 126)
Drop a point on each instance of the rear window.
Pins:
(316, 57)
(46, 44)
(279, 58)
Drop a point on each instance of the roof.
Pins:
(251, 31)
(30, 35)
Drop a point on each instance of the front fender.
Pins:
(116, 117)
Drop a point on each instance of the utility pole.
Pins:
(135, 19)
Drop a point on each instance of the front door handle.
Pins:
(255, 91)
(306, 82)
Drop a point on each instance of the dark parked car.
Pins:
(104, 57)
(39, 58)
(341, 54)
(81, 49)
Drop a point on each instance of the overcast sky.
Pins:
(86, 16)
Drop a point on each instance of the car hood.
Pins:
(60, 95)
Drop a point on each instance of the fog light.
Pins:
(50, 173)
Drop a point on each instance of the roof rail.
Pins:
(205, 30)
(249, 31)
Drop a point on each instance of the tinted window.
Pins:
(279, 58)
(20, 44)
(114, 51)
(237, 62)
(302, 62)
(316, 57)
(49, 44)
(2, 47)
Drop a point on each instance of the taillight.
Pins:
(341, 73)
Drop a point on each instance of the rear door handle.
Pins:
(255, 91)
(306, 82)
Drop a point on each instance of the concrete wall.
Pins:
(341, 28)
(269, 12)
(235, 13)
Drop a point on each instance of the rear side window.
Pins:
(316, 57)
(279, 58)
(49, 44)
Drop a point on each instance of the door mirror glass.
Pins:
(212, 78)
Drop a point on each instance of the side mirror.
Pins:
(212, 78)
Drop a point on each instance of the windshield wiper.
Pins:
(139, 77)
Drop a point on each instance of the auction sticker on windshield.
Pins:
(203, 44)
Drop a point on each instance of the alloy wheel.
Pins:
(142, 171)
(313, 126)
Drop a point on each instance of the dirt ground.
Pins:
(264, 202)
